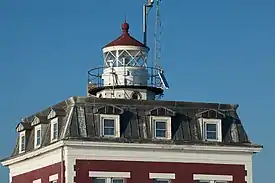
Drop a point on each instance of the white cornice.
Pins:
(164, 146)
(132, 146)
(32, 154)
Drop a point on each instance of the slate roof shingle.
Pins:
(82, 115)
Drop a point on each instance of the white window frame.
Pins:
(213, 178)
(110, 179)
(217, 122)
(109, 176)
(162, 176)
(37, 181)
(37, 128)
(22, 134)
(54, 121)
(116, 119)
(53, 178)
(167, 120)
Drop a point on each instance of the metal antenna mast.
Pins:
(146, 9)
(157, 35)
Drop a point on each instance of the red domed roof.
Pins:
(125, 39)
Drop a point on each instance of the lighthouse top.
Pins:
(125, 39)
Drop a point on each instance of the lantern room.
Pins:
(125, 72)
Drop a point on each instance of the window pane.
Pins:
(55, 131)
(117, 180)
(211, 127)
(109, 127)
(23, 143)
(160, 125)
(109, 131)
(98, 180)
(161, 181)
(109, 123)
(38, 137)
(160, 133)
(211, 135)
(211, 131)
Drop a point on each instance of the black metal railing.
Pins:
(95, 77)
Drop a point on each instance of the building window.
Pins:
(22, 142)
(162, 177)
(107, 180)
(161, 181)
(110, 126)
(54, 129)
(37, 181)
(37, 138)
(53, 178)
(161, 127)
(211, 129)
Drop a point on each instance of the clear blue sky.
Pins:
(219, 51)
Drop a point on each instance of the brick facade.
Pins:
(42, 173)
(140, 170)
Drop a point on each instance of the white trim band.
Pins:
(37, 181)
(164, 146)
(125, 47)
(110, 174)
(33, 153)
(168, 176)
(53, 177)
(212, 177)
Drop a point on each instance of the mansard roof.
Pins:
(79, 120)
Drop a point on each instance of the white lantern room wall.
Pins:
(125, 65)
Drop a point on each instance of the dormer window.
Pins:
(110, 125)
(37, 136)
(54, 129)
(211, 129)
(22, 142)
(161, 127)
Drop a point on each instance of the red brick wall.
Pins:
(42, 174)
(140, 170)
